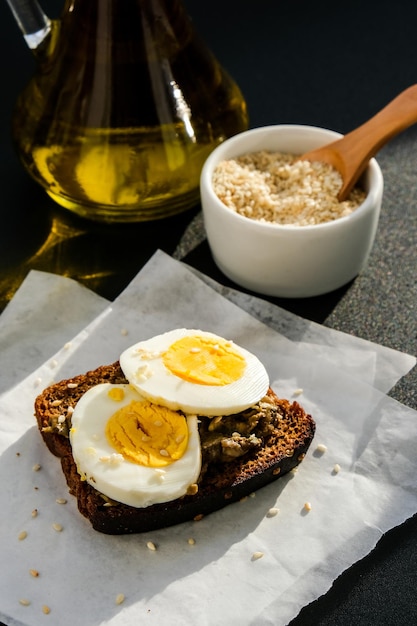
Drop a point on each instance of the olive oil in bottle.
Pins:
(124, 108)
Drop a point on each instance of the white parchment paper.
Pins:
(46, 312)
(214, 581)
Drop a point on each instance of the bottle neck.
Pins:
(125, 27)
(125, 12)
(32, 21)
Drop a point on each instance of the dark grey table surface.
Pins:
(324, 63)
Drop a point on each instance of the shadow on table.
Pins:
(103, 257)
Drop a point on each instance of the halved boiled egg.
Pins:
(196, 372)
(132, 450)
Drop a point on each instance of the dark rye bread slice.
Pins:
(222, 484)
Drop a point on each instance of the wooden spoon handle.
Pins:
(361, 144)
(351, 154)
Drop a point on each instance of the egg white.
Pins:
(143, 367)
(108, 472)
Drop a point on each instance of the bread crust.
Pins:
(283, 449)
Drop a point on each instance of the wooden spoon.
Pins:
(350, 154)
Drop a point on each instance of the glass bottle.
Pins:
(126, 104)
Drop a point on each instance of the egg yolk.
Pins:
(116, 393)
(148, 434)
(204, 361)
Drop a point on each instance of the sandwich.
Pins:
(179, 426)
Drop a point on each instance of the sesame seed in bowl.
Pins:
(278, 188)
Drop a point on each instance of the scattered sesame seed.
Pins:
(199, 517)
(192, 489)
(307, 506)
(298, 392)
(272, 512)
(22, 535)
(24, 602)
(53, 363)
(124, 332)
(36, 467)
(72, 385)
(151, 546)
(35, 513)
(321, 448)
(61, 501)
(37, 381)
(120, 598)
(46, 609)
(257, 555)
(191, 541)
(252, 495)
(336, 469)
(67, 345)
(34, 573)
(57, 527)
(116, 459)
(164, 452)
(56, 402)
(143, 373)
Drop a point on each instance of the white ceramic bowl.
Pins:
(288, 261)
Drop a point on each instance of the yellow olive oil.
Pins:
(124, 108)
(122, 174)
